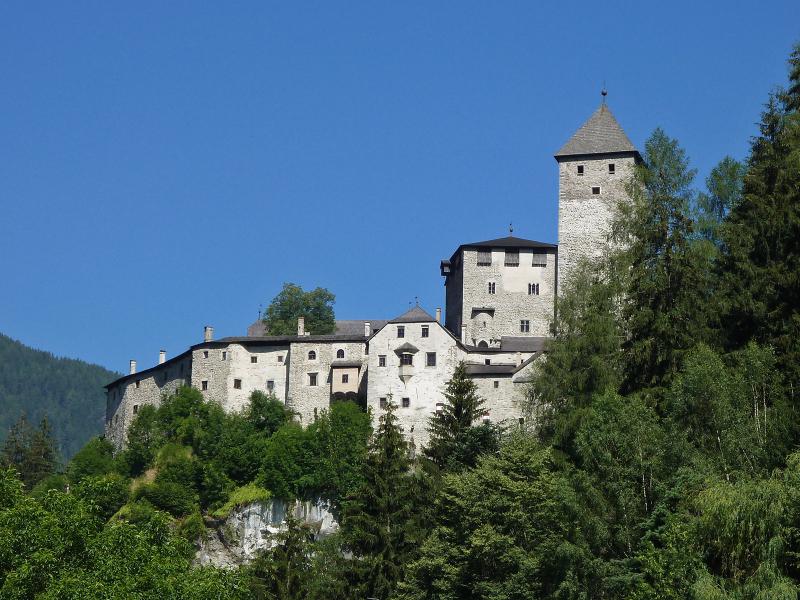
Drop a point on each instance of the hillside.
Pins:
(69, 392)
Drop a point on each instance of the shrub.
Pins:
(105, 494)
(95, 458)
(241, 496)
(168, 496)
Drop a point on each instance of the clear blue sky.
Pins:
(166, 165)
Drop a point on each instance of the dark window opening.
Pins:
(254, 359)
(401, 331)
(406, 402)
(340, 353)
(430, 359)
(595, 190)
(237, 384)
(312, 355)
(384, 403)
(611, 168)
(312, 379)
(381, 360)
(406, 359)
(496, 384)
(204, 385)
(345, 378)
(425, 331)
(580, 169)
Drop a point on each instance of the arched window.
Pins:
(312, 355)
(340, 353)
(483, 344)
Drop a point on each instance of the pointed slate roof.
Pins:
(509, 242)
(601, 134)
(414, 315)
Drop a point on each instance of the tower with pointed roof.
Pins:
(593, 168)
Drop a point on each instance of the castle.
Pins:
(500, 301)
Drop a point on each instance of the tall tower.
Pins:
(593, 167)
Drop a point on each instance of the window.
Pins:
(430, 359)
(270, 386)
(312, 379)
(135, 408)
(406, 359)
(224, 355)
(384, 403)
(612, 168)
(381, 360)
(205, 353)
(312, 355)
(138, 382)
(487, 361)
(237, 384)
(491, 287)
(401, 331)
(280, 358)
(512, 258)
(539, 259)
(595, 190)
(406, 402)
(533, 289)
(425, 331)
(345, 378)
(525, 326)
(580, 169)
(522, 420)
(204, 385)
(496, 384)
(340, 353)
(164, 378)
(484, 258)
(253, 359)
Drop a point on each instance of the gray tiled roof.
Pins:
(509, 242)
(341, 363)
(522, 344)
(356, 326)
(414, 315)
(490, 369)
(601, 134)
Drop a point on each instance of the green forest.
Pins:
(68, 392)
(660, 461)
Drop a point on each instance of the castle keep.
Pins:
(500, 300)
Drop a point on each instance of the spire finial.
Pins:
(511, 229)
(416, 300)
(604, 92)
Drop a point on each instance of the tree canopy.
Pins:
(292, 302)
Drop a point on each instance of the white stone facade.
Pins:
(500, 302)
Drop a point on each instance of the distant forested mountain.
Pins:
(68, 392)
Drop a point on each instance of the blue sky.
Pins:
(166, 165)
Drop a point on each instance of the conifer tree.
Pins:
(761, 263)
(667, 268)
(31, 451)
(378, 519)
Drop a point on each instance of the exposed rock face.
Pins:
(252, 528)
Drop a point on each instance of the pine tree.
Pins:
(32, 452)
(378, 520)
(668, 283)
(761, 263)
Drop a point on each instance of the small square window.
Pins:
(512, 258)
(237, 384)
(280, 358)
(430, 359)
(204, 385)
(401, 331)
(384, 403)
(253, 359)
(595, 190)
(345, 378)
(381, 360)
(224, 355)
(484, 258)
(312, 379)
(522, 420)
(205, 353)
(611, 168)
(487, 361)
(580, 169)
(425, 331)
(135, 408)
(270, 386)
(496, 384)
(406, 402)
(525, 326)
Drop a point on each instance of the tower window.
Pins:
(401, 331)
(204, 385)
(340, 353)
(224, 355)
(425, 331)
(312, 355)
(406, 402)
(596, 190)
(383, 403)
(280, 358)
(312, 379)
(253, 359)
(491, 287)
(205, 353)
(135, 408)
(512, 258)
(496, 384)
(270, 386)
(611, 168)
(237, 384)
(138, 382)
(484, 258)
(381, 360)
(487, 361)
(533, 289)
(525, 326)
(580, 169)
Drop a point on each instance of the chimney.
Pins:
(208, 333)
(301, 325)
(162, 356)
(133, 366)
(367, 329)
(463, 334)
(438, 315)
